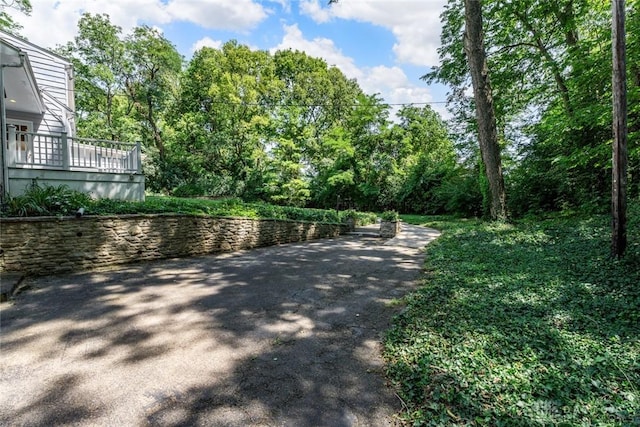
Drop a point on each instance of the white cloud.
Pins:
(206, 41)
(218, 14)
(414, 23)
(319, 47)
(315, 11)
(54, 22)
(284, 4)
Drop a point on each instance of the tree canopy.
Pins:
(550, 66)
(288, 128)
(281, 126)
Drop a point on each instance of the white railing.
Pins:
(36, 150)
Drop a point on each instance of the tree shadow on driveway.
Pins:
(285, 335)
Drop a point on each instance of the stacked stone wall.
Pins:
(39, 246)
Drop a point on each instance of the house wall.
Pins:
(41, 246)
(100, 185)
(54, 78)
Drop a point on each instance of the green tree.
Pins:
(99, 59)
(284, 182)
(551, 77)
(313, 99)
(426, 160)
(221, 117)
(153, 67)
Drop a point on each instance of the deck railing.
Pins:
(61, 152)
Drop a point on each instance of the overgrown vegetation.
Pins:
(529, 324)
(549, 64)
(45, 200)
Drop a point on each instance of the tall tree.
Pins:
(485, 114)
(151, 81)
(550, 76)
(424, 160)
(98, 56)
(221, 118)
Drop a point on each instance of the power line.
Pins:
(272, 104)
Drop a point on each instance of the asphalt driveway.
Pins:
(280, 336)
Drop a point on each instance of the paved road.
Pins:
(281, 336)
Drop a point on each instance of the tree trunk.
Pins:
(619, 172)
(485, 114)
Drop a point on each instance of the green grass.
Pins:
(529, 324)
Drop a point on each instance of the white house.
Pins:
(39, 143)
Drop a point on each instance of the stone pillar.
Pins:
(389, 229)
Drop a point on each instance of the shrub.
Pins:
(360, 218)
(390, 216)
(47, 200)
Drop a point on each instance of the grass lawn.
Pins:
(529, 324)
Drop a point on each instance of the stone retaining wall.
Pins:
(39, 246)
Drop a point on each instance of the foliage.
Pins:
(360, 218)
(7, 22)
(124, 84)
(550, 66)
(283, 127)
(526, 324)
(421, 163)
(153, 67)
(213, 207)
(219, 119)
(390, 216)
(98, 57)
(46, 200)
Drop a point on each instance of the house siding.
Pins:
(106, 169)
(54, 79)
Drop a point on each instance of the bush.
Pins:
(47, 200)
(43, 201)
(392, 216)
(361, 218)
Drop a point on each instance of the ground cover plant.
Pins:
(45, 200)
(530, 324)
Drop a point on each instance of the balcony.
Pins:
(60, 152)
(101, 168)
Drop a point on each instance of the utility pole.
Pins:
(620, 156)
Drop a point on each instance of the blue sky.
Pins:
(385, 44)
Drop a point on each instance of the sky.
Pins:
(387, 45)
